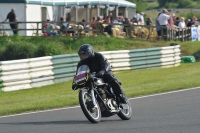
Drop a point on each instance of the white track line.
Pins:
(79, 106)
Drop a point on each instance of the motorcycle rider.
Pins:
(99, 64)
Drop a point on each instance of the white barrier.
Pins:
(37, 72)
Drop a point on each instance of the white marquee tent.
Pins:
(40, 10)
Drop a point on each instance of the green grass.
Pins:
(13, 48)
(140, 82)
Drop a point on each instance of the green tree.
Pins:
(184, 3)
(162, 3)
(141, 5)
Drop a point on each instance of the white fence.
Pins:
(37, 72)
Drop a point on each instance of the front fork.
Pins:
(91, 92)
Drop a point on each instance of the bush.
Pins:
(184, 3)
(49, 49)
(171, 5)
(190, 14)
(13, 48)
(17, 47)
(18, 50)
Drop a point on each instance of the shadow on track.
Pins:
(67, 122)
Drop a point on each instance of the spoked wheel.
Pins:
(126, 111)
(92, 112)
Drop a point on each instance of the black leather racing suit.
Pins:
(99, 63)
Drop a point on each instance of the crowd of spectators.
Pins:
(51, 28)
(164, 20)
(169, 20)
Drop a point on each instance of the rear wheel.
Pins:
(92, 112)
(126, 111)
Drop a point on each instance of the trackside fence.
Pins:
(76, 30)
(37, 72)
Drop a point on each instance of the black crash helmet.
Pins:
(86, 49)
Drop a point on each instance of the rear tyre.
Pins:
(92, 113)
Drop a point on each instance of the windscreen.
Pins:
(83, 68)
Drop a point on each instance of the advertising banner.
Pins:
(194, 33)
(198, 32)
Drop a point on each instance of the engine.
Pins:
(108, 100)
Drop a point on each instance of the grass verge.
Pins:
(134, 82)
(17, 47)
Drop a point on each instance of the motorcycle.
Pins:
(97, 98)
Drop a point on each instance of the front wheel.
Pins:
(92, 112)
(126, 111)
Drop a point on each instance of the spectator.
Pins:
(182, 24)
(62, 26)
(177, 21)
(134, 20)
(142, 17)
(85, 26)
(171, 21)
(44, 27)
(126, 24)
(107, 20)
(120, 19)
(108, 29)
(140, 22)
(158, 29)
(111, 17)
(149, 22)
(46, 24)
(116, 20)
(163, 21)
(194, 21)
(104, 18)
(51, 29)
(129, 21)
(71, 30)
(174, 17)
(13, 19)
(99, 19)
(93, 25)
(138, 16)
(189, 23)
(68, 19)
(83, 23)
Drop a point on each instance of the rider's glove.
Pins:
(100, 74)
(74, 87)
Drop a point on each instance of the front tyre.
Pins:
(92, 113)
(126, 111)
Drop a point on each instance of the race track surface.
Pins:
(177, 112)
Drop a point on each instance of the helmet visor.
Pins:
(83, 56)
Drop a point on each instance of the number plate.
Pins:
(81, 78)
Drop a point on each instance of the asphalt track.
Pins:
(174, 112)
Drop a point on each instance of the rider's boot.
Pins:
(123, 98)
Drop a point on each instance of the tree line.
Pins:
(176, 3)
(142, 4)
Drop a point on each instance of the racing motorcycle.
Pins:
(97, 98)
